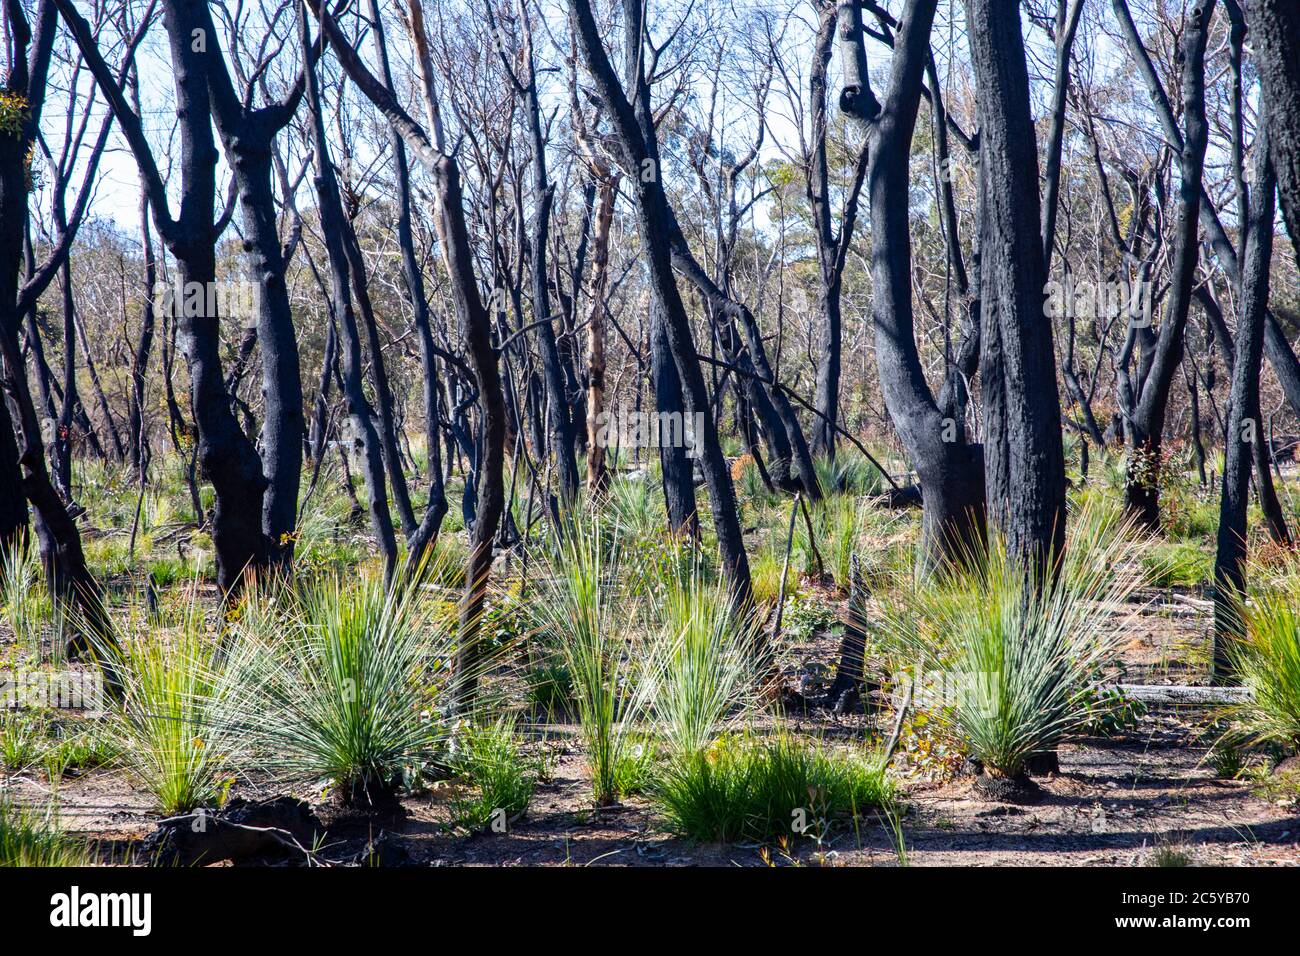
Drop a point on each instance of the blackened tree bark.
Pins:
(225, 454)
(22, 455)
(557, 401)
(843, 20)
(333, 227)
(246, 134)
(137, 434)
(676, 468)
(1147, 417)
(791, 460)
(607, 189)
(1276, 347)
(1243, 422)
(1067, 25)
(28, 70)
(1275, 35)
(792, 466)
(475, 321)
(387, 426)
(950, 471)
(1024, 459)
(427, 532)
(657, 233)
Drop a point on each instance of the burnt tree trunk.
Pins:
(225, 455)
(247, 135)
(1243, 425)
(1147, 419)
(1024, 460)
(1275, 35)
(333, 227)
(427, 532)
(477, 326)
(635, 132)
(951, 472)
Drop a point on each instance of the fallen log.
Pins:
(1183, 694)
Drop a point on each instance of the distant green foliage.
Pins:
(1178, 563)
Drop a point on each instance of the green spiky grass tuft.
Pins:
(168, 726)
(704, 668)
(29, 838)
(1267, 658)
(342, 681)
(1017, 659)
(582, 610)
(763, 790)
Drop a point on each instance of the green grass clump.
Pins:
(550, 689)
(753, 495)
(169, 571)
(581, 610)
(637, 507)
(1019, 658)
(80, 746)
(848, 473)
(168, 726)
(751, 790)
(345, 682)
(1267, 659)
(26, 601)
(22, 740)
(765, 567)
(28, 838)
(846, 522)
(704, 668)
(501, 777)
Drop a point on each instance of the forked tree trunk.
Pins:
(225, 455)
(341, 285)
(436, 510)
(474, 319)
(635, 133)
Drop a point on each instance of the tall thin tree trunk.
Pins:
(1243, 424)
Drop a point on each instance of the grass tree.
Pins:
(584, 611)
(1017, 658)
(168, 724)
(345, 685)
(705, 667)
